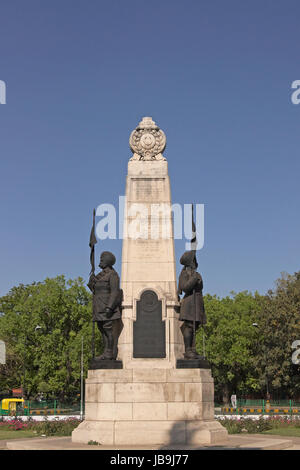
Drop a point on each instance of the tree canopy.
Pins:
(247, 340)
(43, 325)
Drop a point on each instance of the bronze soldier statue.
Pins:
(192, 311)
(107, 299)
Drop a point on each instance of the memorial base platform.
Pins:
(149, 406)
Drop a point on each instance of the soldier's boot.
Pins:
(187, 332)
(104, 339)
(107, 354)
(108, 340)
(196, 355)
(117, 329)
(190, 354)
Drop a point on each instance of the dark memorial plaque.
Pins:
(149, 331)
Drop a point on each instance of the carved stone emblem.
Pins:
(147, 141)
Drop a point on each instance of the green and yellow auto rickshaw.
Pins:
(11, 406)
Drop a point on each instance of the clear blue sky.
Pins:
(215, 75)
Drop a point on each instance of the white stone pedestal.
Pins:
(149, 407)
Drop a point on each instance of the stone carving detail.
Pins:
(147, 141)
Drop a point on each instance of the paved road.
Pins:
(235, 442)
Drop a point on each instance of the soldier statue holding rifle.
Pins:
(107, 299)
(192, 311)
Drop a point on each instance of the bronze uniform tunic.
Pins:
(188, 282)
(106, 289)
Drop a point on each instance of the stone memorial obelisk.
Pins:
(149, 401)
(151, 336)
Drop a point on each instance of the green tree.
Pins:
(229, 343)
(49, 354)
(279, 327)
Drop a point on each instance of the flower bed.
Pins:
(240, 425)
(46, 427)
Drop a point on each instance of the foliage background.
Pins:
(248, 360)
(51, 353)
(245, 359)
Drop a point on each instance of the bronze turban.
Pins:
(108, 257)
(188, 257)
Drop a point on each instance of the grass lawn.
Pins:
(284, 431)
(11, 434)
